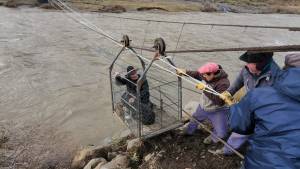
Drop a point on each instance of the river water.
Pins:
(54, 71)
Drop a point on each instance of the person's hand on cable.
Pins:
(227, 97)
(180, 71)
(201, 86)
(116, 74)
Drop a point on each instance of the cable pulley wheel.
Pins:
(125, 41)
(160, 45)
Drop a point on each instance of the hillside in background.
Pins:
(237, 6)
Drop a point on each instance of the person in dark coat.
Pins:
(260, 71)
(211, 107)
(130, 80)
(271, 115)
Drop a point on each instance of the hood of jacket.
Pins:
(221, 75)
(288, 83)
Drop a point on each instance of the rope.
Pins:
(179, 37)
(208, 24)
(283, 48)
(145, 34)
(84, 21)
(214, 135)
(193, 81)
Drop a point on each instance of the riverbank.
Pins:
(167, 151)
(117, 6)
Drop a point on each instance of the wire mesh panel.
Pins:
(165, 96)
(123, 106)
(149, 105)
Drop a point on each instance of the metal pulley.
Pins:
(160, 46)
(125, 41)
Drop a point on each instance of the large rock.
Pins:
(100, 165)
(82, 157)
(11, 4)
(94, 162)
(111, 155)
(126, 134)
(16, 3)
(121, 161)
(134, 145)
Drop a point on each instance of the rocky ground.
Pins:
(117, 6)
(167, 151)
(170, 150)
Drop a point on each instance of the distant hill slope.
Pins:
(238, 6)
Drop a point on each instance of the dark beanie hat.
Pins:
(255, 57)
(130, 70)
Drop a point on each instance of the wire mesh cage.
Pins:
(150, 104)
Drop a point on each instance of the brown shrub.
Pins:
(209, 7)
(112, 9)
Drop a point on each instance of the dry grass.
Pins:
(171, 6)
(271, 6)
(286, 9)
(16, 3)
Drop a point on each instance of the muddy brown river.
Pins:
(54, 70)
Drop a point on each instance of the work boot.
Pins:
(208, 140)
(219, 151)
(184, 130)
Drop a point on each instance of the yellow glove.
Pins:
(181, 72)
(200, 86)
(228, 99)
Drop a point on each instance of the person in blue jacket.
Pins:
(271, 115)
(260, 71)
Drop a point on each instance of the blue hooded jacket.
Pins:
(272, 116)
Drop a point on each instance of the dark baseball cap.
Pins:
(256, 57)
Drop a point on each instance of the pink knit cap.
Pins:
(209, 67)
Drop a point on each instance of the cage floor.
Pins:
(163, 122)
